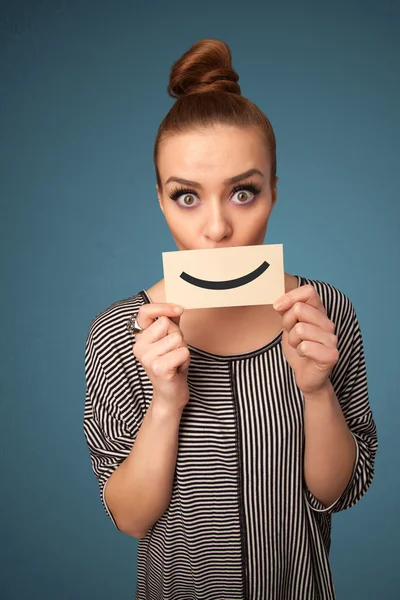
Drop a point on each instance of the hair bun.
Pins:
(205, 67)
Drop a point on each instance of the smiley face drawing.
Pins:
(226, 285)
(236, 276)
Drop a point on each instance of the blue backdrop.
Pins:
(83, 90)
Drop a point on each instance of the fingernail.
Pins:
(178, 310)
(278, 304)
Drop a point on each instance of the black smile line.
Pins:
(225, 285)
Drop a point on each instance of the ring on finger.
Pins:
(134, 326)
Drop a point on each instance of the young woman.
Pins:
(227, 437)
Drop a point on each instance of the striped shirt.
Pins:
(241, 523)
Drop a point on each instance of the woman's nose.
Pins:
(217, 225)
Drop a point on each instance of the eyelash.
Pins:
(248, 187)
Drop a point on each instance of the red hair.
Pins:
(207, 91)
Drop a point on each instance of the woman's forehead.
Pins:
(223, 150)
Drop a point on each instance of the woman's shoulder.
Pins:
(337, 304)
(115, 319)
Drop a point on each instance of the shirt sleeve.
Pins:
(349, 380)
(113, 414)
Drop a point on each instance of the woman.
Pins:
(227, 437)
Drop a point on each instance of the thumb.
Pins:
(176, 320)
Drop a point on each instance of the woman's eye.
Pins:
(243, 196)
(187, 200)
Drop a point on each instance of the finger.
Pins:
(184, 368)
(324, 357)
(148, 313)
(171, 342)
(159, 329)
(166, 366)
(308, 314)
(305, 293)
(306, 332)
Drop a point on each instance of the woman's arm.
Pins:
(139, 491)
(330, 371)
(330, 448)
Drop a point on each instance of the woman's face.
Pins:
(216, 187)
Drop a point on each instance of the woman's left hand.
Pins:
(309, 342)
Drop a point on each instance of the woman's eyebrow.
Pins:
(230, 180)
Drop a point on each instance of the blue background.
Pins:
(83, 90)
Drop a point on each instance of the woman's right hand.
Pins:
(164, 354)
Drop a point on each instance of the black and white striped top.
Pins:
(241, 523)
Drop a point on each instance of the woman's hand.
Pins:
(162, 351)
(309, 342)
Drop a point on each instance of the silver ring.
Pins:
(134, 326)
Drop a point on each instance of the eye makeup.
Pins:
(251, 187)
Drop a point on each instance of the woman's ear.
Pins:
(275, 191)
(160, 201)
